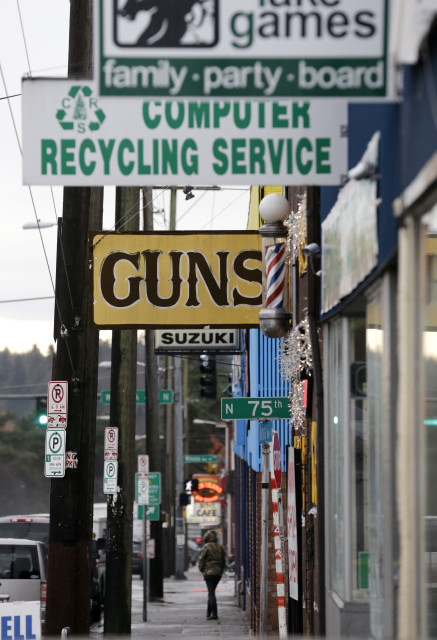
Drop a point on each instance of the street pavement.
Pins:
(182, 611)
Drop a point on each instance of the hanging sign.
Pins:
(72, 136)
(259, 48)
(202, 340)
(192, 279)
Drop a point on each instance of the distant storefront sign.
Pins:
(72, 136)
(182, 340)
(247, 48)
(176, 279)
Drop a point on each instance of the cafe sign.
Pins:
(176, 279)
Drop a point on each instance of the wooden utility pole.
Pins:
(71, 497)
(118, 596)
(152, 426)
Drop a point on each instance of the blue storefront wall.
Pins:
(265, 381)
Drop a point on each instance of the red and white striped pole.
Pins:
(276, 474)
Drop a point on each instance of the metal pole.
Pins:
(264, 535)
(179, 470)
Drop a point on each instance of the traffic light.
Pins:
(184, 499)
(208, 378)
(41, 411)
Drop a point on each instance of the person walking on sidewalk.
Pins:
(212, 564)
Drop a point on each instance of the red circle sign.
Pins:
(277, 463)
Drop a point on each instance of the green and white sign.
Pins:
(54, 466)
(243, 48)
(110, 476)
(255, 408)
(200, 457)
(154, 490)
(165, 396)
(154, 141)
(152, 512)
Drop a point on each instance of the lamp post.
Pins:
(274, 318)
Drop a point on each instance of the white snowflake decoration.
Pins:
(296, 359)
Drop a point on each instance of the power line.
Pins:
(14, 95)
(27, 299)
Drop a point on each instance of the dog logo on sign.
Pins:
(165, 23)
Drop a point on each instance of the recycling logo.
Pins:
(80, 111)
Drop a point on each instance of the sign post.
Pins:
(255, 408)
(276, 477)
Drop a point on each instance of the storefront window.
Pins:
(374, 340)
(359, 460)
(336, 467)
(348, 459)
(430, 413)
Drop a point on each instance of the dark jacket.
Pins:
(212, 556)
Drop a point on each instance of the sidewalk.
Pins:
(182, 612)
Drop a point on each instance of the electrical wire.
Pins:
(24, 39)
(27, 299)
(35, 214)
(192, 206)
(14, 95)
(137, 213)
(224, 209)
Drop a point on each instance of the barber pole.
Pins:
(275, 274)
(277, 531)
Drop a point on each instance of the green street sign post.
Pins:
(154, 487)
(165, 396)
(152, 511)
(255, 408)
(202, 457)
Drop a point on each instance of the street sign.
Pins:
(152, 511)
(110, 476)
(165, 396)
(73, 137)
(57, 405)
(142, 489)
(265, 432)
(111, 443)
(199, 457)
(55, 454)
(241, 48)
(276, 460)
(255, 408)
(155, 487)
(143, 465)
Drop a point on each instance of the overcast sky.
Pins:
(38, 44)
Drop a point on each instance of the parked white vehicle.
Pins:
(23, 571)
